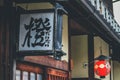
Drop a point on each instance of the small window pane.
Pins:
(25, 75)
(17, 74)
(39, 77)
(32, 76)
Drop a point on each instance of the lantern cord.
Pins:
(101, 47)
(100, 50)
(27, 4)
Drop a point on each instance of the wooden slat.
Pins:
(31, 1)
(55, 72)
(29, 68)
(47, 61)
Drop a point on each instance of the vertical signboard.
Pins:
(36, 31)
(40, 32)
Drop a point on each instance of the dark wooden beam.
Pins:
(37, 1)
(31, 1)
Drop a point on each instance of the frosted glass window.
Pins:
(17, 74)
(39, 77)
(25, 75)
(32, 76)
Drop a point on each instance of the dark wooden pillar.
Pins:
(7, 48)
(1, 2)
(91, 56)
(1, 47)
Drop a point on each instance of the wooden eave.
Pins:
(91, 24)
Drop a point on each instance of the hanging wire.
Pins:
(101, 47)
(27, 5)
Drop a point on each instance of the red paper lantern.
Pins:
(102, 68)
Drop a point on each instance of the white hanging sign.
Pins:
(36, 31)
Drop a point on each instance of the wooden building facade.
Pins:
(87, 27)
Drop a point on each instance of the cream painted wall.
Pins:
(65, 37)
(98, 42)
(116, 66)
(79, 54)
(33, 6)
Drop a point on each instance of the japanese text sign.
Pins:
(36, 31)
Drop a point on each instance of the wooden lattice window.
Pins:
(28, 72)
(54, 74)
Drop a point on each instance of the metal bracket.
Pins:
(59, 11)
(59, 54)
